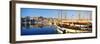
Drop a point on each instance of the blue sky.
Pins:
(48, 13)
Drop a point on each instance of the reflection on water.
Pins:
(37, 30)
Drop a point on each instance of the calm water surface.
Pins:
(38, 30)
